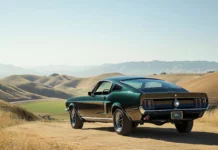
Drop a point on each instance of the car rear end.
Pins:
(172, 106)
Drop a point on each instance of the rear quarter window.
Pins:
(117, 88)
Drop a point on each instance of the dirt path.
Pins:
(102, 136)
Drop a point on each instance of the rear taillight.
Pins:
(200, 102)
(148, 104)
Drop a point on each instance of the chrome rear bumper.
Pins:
(143, 111)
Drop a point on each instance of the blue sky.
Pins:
(91, 32)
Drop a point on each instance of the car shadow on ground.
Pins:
(170, 135)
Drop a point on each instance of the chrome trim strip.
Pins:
(96, 118)
(163, 110)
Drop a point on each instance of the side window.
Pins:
(117, 88)
(104, 86)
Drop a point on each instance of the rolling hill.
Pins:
(177, 78)
(83, 85)
(30, 84)
(44, 90)
(28, 87)
(207, 83)
(19, 87)
(13, 93)
(16, 113)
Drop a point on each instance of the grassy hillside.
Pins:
(53, 108)
(33, 84)
(12, 114)
(177, 78)
(207, 83)
(15, 80)
(13, 93)
(43, 90)
(27, 87)
(83, 85)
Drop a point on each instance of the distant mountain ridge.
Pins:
(129, 68)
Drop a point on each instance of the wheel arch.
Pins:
(118, 106)
(72, 105)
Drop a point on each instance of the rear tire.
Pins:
(135, 124)
(184, 126)
(122, 123)
(75, 120)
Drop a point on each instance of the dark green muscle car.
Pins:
(130, 101)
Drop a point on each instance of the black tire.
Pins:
(184, 126)
(122, 124)
(135, 124)
(75, 120)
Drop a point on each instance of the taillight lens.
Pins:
(148, 104)
(200, 102)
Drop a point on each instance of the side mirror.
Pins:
(90, 93)
(106, 92)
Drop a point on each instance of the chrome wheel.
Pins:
(119, 121)
(73, 117)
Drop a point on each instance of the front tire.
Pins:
(184, 126)
(122, 124)
(75, 120)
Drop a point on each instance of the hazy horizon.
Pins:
(84, 33)
(90, 65)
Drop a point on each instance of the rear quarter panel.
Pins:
(129, 102)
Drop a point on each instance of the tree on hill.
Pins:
(210, 71)
(162, 73)
(54, 74)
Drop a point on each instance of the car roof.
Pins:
(121, 78)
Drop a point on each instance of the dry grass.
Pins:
(178, 78)
(206, 83)
(9, 119)
(12, 114)
(26, 141)
(210, 117)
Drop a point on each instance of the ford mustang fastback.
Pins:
(131, 101)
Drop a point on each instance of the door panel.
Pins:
(90, 108)
(95, 105)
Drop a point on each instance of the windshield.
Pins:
(152, 85)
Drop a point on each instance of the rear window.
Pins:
(153, 85)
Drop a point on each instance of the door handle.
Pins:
(104, 97)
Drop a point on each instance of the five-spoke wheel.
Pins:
(122, 123)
